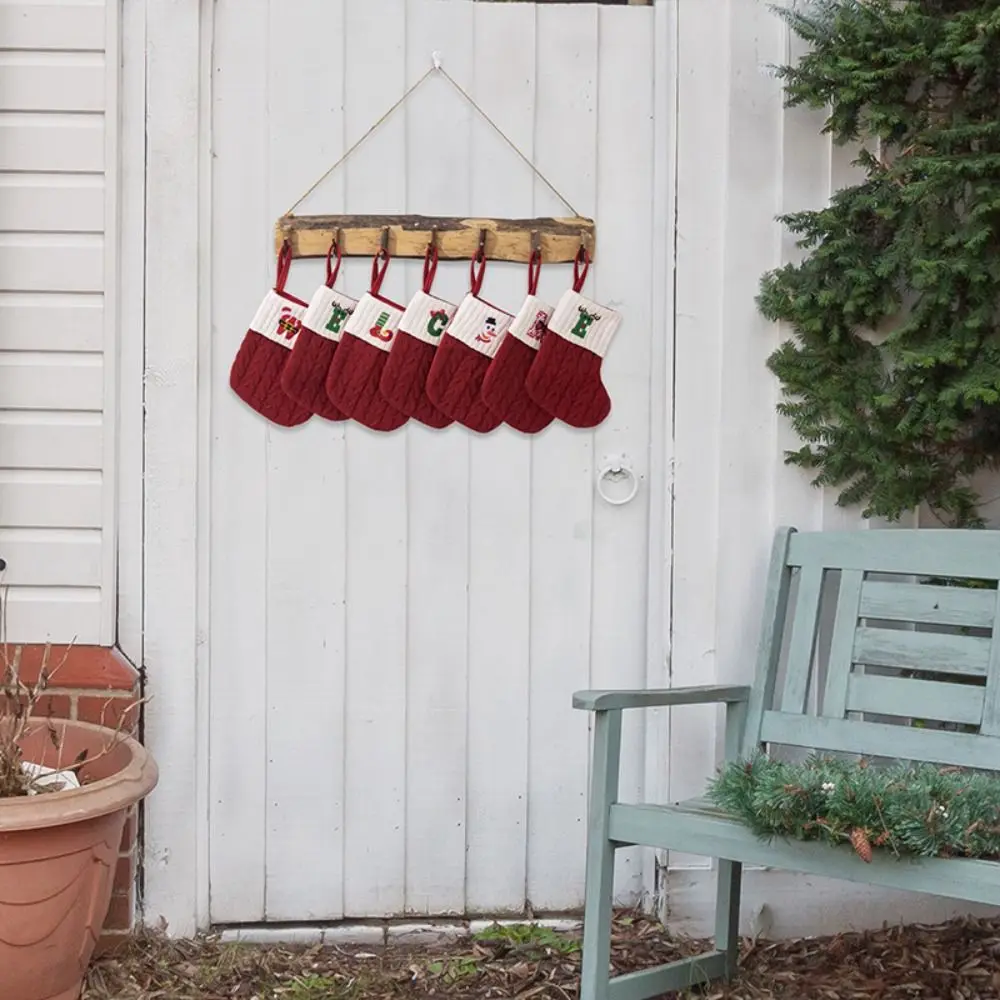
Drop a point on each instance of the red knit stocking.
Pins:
(304, 375)
(504, 391)
(566, 376)
(404, 378)
(352, 382)
(256, 372)
(455, 381)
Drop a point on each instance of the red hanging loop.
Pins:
(380, 264)
(284, 263)
(534, 271)
(333, 269)
(430, 266)
(581, 265)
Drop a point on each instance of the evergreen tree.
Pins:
(892, 378)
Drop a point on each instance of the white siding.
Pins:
(58, 91)
(398, 621)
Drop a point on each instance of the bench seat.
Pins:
(698, 827)
(907, 668)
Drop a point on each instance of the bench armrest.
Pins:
(603, 701)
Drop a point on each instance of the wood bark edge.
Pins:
(457, 238)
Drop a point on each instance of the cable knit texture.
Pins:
(304, 375)
(504, 391)
(455, 381)
(566, 376)
(352, 383)
(256, 372)
(404, 378)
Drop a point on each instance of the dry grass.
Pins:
(956, 961)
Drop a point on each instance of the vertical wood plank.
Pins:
(131, 348)
(113, 470)
(437, 134)
(242, 270)
(990, 725)
(661, 530)
(621, 534)
(805, 185)
(500, 484)
(306, 518)
(747, 419)
(702, 137)
(773, 617)
(376, 722)
(802, 643)
(845, 624)
(174, 148)
(562, 492)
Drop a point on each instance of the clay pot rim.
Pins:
(108, 795)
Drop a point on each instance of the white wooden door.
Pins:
(398, 621)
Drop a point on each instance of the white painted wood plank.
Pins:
(51, 263)
(243, 269)
(52, 142)
(751, 244)
(175, 144)
(51, 557)
(805, 167)
(33, 380)
(375, 836)
(40, 81)
(68, 203)
(701, 196)
(306, 528)
(113, 153)
(660, 482)
(439, 652)
(562, 492)
(621, 534)
(500, 496)
(50, 440)
(40, 321)
(53, 614)
(131, 331)
(52, 25)
(37, 499)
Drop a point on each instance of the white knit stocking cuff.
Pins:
(584, 322)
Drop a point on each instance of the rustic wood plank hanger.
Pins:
(559, 240)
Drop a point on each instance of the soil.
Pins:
(954, 961)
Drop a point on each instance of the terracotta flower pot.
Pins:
(58, 853)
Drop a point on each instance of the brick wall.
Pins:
(95, 684)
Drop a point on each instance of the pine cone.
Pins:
(861, 844)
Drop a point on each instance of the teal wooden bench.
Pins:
(896, 640)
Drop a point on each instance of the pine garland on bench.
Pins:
(919, 809)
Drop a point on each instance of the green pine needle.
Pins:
(892, 374)
(907, 809)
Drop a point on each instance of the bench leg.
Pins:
(727, 914)
(595, 973)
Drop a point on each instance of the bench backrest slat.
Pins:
(903, 646)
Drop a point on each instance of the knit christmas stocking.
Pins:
(352, 383)
(504, 390)
(304, 375)
(256, 372)
(404, 378)
(566, 376)
(455, 381)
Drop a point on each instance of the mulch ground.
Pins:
(955, 961)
